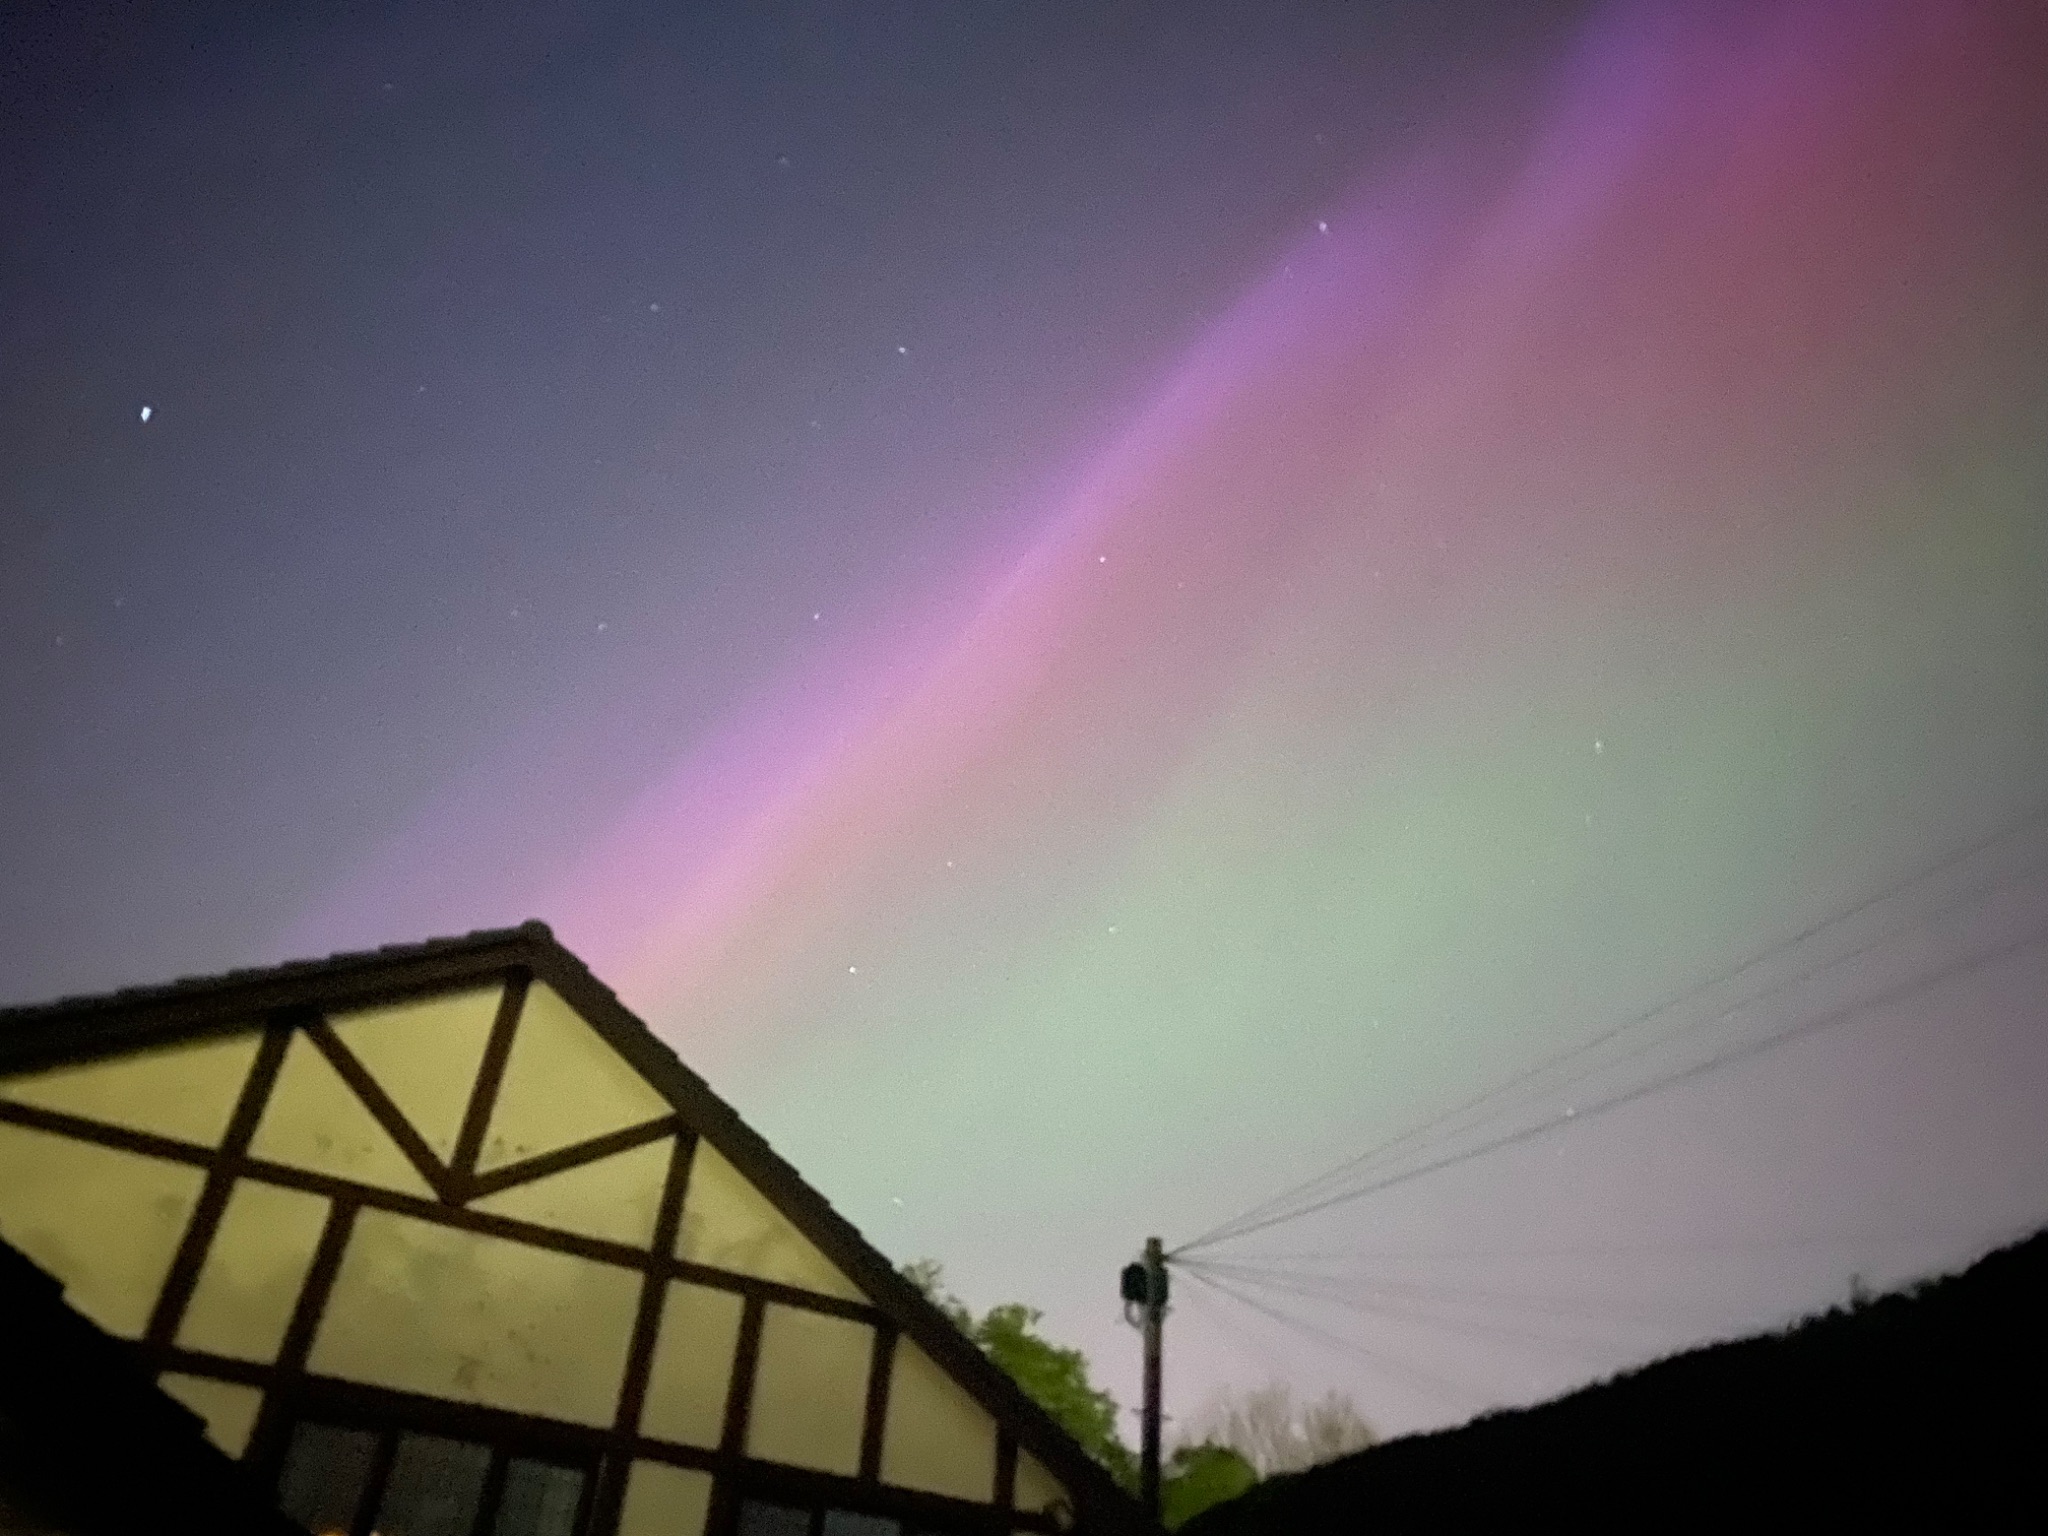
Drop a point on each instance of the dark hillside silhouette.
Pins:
(1929, 1401)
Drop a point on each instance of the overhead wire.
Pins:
(1442, 1388)
(1656, 1085)
(1339, 1286)
(1263, 1213)
(1425, 1306)
(1529, 1075)
(1897, 1237)
(1272, 1211)
(1411, 1313)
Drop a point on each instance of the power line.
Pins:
(1896, 1238)
(1441, 1388)
(1657, 1085)
(1410, 1312)
(1252, 1218)
(1338, 1287)
(1218, 1233)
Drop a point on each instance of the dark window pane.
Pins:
(324, 1472)
(434, 1488)
(540, 1499)
(844, 1522)
(758, 1519)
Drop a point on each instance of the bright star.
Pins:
(146, 411)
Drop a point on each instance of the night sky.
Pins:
(1094, 608)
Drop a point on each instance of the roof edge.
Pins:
(66, 1028)
(71, 1028)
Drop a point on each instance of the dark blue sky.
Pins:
(423, 300)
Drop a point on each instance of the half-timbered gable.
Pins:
(441, 1241)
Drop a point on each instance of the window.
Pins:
(760, 1518)
(341, 1481)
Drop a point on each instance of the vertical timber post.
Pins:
(1155, 1316)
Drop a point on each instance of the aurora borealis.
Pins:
(1086, 649)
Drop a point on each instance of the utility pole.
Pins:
(1144, 1285)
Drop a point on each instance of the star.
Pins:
(1599, 747)
(853, 970)
(147, 411)
(903, 351)
(1322, 226)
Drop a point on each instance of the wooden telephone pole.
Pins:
(1144, 1285)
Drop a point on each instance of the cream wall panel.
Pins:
(228, 1407)
(425, 1308)
(314, 1120)
(425, 1053)
(105, 1223)
(616, 1198)
(662, 1500)
(254, 1268)
(1037, 1490)
(731, 1225)
(810, 1390)
(691, 1374)
(186, 1092)
(934, 1435)
(562, 1085)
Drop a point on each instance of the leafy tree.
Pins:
(930, 1277)
(1057, 1380)
(1198, 1476)
(1053, 1377)
(1241, 1438)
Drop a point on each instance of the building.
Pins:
(441, 1241)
